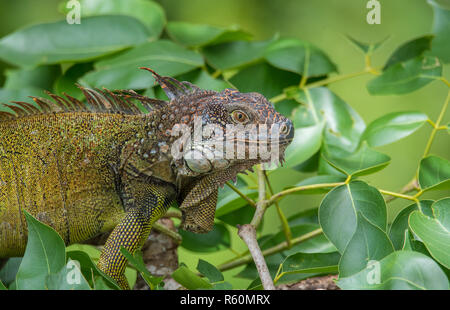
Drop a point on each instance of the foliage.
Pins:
(348, 234)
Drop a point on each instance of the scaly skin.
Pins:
(84, 172)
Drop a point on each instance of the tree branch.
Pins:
(248, 233)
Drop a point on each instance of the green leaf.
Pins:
(318, 179)
(138, 263)
(203, 80)
(306, 142)
(434, 231)
(229, 201)
(2, 286)
(398, 271)
(8, 95)
(434, 173)
(66, 82)
(121, 71)
(362, 162)
(101, 285)
(61, 42)
(189, 279)
(200, 35)
(9, 270)
(148, 13)
(441, 30)
(400, 223)
(338, 212)
(68, 278)
(209, 271)
(217, 239)
(45, 254)
(392, 127)
(406, 77)
(310, 263)
(90, 270)
(238, 217)
(41, 77)
(368, 243)
(409, 50)
(343, 125)
(367, 48)
(299, 57)
(235, 54)
(270, 82)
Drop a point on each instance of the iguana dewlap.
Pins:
(87, 169)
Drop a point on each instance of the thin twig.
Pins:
(164, 230)
(436, 126)
(245, 197)
(398, 195)
(261, 204)
(411, 186)
(281, 194)
(284, 222)
(275, 249)
(172, 213)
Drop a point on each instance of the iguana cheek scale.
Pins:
(88, 169)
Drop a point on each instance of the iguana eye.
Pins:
(239, 117)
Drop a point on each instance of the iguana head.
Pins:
(218, 135)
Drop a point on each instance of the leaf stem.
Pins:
(172, 234)
(216, 74)
(398, 195)
(278, 98)
(336, 79)
(286, 229)
(443, 79)
(281, 194)
(275, 249)
(437, 124)
(245, 197)
(411, 186)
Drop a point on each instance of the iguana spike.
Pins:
(63, 104)
(92, 101)
(103, 101)
(51, 105)
(28, 107)
(6, 115)
(19, 111)
(115, 101)
(171, 87)
(42, 104)
(75, 102)
(147, 102)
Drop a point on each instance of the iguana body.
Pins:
(87, 171)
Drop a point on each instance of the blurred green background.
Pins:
(325, 24)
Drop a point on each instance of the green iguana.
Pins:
(85, 169)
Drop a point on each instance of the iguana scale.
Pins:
(85, 169)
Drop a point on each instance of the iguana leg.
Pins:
(148, 203)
